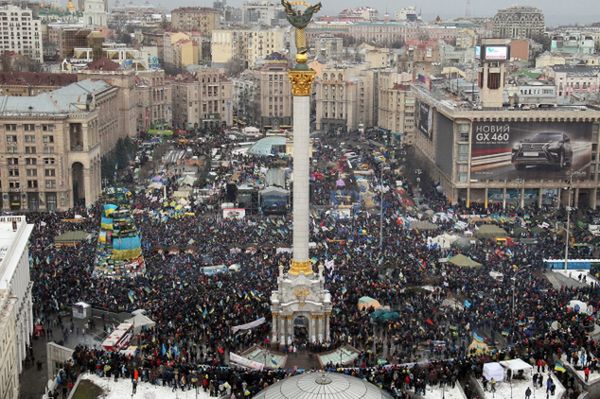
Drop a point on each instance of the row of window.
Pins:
(29, 127)
(31, 172)
(15, 185)
(31, 161)
(29, 150)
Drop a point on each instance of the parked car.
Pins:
(545, 148)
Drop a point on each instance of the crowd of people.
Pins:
(194, 312)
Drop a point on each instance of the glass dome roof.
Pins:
(319, 385)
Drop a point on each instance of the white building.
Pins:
(248, 46)
(94, 14)
(9, 377)
(407, 14)
(21, 33)
(14, 278)
(262, 13)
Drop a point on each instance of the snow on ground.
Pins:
(446, 393)
(503, 389)
(343, 355)
(594, 376)
(122, 390)
(574, 275)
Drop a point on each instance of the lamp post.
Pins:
(567, 227)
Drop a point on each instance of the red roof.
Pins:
(103, 64)
(37, 79)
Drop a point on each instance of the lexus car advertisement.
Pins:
(513, 150)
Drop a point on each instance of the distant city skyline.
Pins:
(556, 13)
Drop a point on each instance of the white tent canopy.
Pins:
(581, 306)
(493, 370)
(516, 365)
(140, 321)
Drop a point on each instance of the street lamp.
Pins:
(567, 227)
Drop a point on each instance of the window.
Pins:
(48, 149)
(13, 161)
(10, 127)
(463, 152)
(29, 127)
(32, 183)
(50, 183)
(48, 139)
(50, 172)
(29, 138)
(14, 184)
(49, 161)
(31, 172)
(13, 172)
(30, 161)
(30, 150)
(11, 139)
(47, 128)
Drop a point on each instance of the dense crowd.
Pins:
(195, 312)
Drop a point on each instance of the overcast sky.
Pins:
(556, 11)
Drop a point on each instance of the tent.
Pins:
(461, 260)
(366, 302)
(422, 225)
(516, 365)
(186, 181)
(493, 370)
(140, 321)
(490, 231)
(71, 238)
(445, 240)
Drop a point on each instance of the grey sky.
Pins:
(556, 11)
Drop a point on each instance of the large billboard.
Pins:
(444, 133)
(531, 150)
(425, 120)
(496, 53)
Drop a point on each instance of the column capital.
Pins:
(301, 81)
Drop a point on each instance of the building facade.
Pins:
(274, 95)
(9, 376)
(519, 23)
(345, 98)
(52, 144)
(396, 105)
(262, 13)
(199, 19)
(21, 32)
(495, 156)
(95, 14)
(202, 100)
(154, 99)
(573, 43)
(15, 279)
(247, 46)
(574, 79)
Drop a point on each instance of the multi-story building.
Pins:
(262, 13)
(15, 279)
(396, 105)
(66, 37)
(154, 99)
(359, 13)
(95, 14)
(180, 49)
(202, 99)
(245, 97)
(32, 83)
(407, 14)
(328, 46)
(142, 16)
(534, 93)
(51, 145)
(22, 33)
(9, 388)
(574, 79)
(126, 110)
(573, 43)
(199, 19)
(491, 153)
(247, 46)
(345, 98)
(519, 23)
(274, 95)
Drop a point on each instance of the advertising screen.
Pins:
(530, 150)
(496, 53)
(425, 119)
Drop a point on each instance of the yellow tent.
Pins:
(479, 347)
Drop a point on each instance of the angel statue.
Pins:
(300, 20)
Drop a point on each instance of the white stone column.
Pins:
(320, 322)
(274, 328)
(283, 330)
(312, 327)
(300, 178)
(327, 337)
(290, 331)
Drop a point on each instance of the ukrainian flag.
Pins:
(558, 366)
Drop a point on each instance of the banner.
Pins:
(531, 150)
(234, 213)
(425, 121)
(244, 362)
(248, 326)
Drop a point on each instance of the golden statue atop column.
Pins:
(300, 20)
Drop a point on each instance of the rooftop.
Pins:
(14, 236)
(36, 79)
(65, 100)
